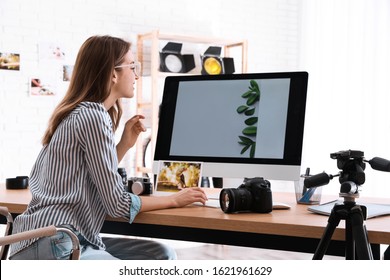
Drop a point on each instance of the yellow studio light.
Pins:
(212, 66)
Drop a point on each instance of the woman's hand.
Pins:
(187, 196)
(179, 199)
(133, 128)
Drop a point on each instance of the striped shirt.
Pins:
(75, 178)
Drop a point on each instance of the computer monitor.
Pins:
(240, 125)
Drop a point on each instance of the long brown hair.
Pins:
(91, 79)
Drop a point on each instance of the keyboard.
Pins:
(213, 203)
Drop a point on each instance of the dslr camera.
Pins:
(140, 185)
(254, 195)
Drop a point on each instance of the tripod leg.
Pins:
(333, 222)
(349, 241)
(359, 231)
(386, 255)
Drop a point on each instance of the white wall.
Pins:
(346, 50)
(343, 44)
(272, 29)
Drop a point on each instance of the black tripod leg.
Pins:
(386, 255)
(359, 231)
(349, 241)
(333, 222)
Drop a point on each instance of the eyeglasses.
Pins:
(135, 66)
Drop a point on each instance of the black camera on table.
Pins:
(254, 195)
(140, 185)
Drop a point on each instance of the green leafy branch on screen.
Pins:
(247, 140)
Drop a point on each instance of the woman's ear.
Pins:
(114, 77)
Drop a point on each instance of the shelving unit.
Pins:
(148, 103)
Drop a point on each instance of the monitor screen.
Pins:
(241, 125)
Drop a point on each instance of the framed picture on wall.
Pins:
(67, 71)
(51, 51)
(9, 61)
(41, 87)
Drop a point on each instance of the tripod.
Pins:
(356, 237)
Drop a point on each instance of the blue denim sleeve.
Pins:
(135, 206)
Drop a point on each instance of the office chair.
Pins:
(10, 238)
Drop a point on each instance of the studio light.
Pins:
(171, 59)
(214, 64)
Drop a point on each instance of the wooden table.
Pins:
(295, 229)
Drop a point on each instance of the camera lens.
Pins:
(234, 200)
(224, 201)
(137, 188)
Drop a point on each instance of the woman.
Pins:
(74, 182)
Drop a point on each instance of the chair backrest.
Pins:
(10, 238)
(8, 230)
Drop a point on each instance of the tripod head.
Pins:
(351, 176)
(352, 166)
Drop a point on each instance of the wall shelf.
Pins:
(148, 101)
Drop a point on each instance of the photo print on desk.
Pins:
(176, 175)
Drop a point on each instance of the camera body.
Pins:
(253, 195)
(140, 185)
